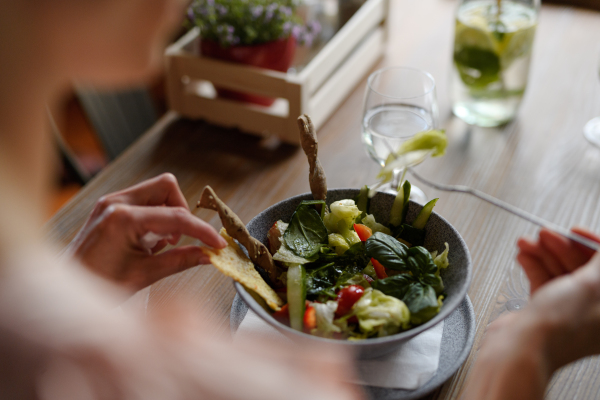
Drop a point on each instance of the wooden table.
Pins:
(540, 162)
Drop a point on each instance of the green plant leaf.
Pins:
(387, 250)
(306, 233)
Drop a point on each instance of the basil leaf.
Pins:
(420, 298)
(420, 262)
(306, 233)
(387, 250)
(395, 285)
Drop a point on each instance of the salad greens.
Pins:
(349, 276)
(306, 232)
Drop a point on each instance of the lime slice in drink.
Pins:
(414, 151)
(519, 43)
(475, 35)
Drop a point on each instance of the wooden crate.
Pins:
(316, 90)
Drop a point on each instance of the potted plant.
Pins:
(261, 33)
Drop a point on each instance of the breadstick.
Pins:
(310, 145)
(235, 228)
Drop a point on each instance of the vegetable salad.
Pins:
(347, 276)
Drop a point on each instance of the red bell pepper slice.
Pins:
(310, 318)
(363, 232)
(379, 269)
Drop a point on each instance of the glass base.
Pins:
(484, 115)
(591, 131)
(416, 194)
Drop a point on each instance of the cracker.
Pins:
(232, 261)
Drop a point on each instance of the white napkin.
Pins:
(409, 367)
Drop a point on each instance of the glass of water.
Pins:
(591, 130)
(399, 103)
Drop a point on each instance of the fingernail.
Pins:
(223, 242)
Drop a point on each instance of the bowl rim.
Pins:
(401, 336)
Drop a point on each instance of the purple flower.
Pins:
(222, 9)
(210, 2)
(268, 15)
(257, 11)
(230, 29)
(297, 32)
(287, 27)
(307, 40)
(314, 26)
(190, 13)
(285, 10)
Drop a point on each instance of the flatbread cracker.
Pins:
(232, 261)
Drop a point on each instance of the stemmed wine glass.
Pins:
(399, 103)
(591, 130)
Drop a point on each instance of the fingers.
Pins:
(564, 250)
(161, 190)
(589, 253)
(535, 271)
(170, 262)
(175, 221)
(548, 261)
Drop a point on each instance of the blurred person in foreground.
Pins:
(60, 335)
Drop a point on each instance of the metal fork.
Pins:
(511, 209)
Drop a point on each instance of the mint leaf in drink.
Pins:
(477, 67)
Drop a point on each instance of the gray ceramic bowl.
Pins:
(456, 277)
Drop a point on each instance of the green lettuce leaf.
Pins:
(381, 315)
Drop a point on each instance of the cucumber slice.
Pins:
(400, 206)
(423, 216)
(363, 199)
(412, 235)
(296, 295)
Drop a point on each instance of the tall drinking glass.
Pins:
(399, 103)
(591, 130)
(492, 51)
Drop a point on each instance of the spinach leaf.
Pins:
(395, 285)
(322, 278)
(306, 233)
(354, 256)
(387, 250)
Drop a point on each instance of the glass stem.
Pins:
(399, 175)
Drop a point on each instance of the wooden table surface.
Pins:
(540, 162)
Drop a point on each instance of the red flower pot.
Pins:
(276, 55)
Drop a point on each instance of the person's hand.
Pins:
(552, 256)
(561, 323)
(110, 243)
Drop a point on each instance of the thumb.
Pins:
(173, 261)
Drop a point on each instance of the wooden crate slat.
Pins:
(371, 14)
(179, 45)
(317, 90)
(234, 76)
(232, 114)
(345, 79)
